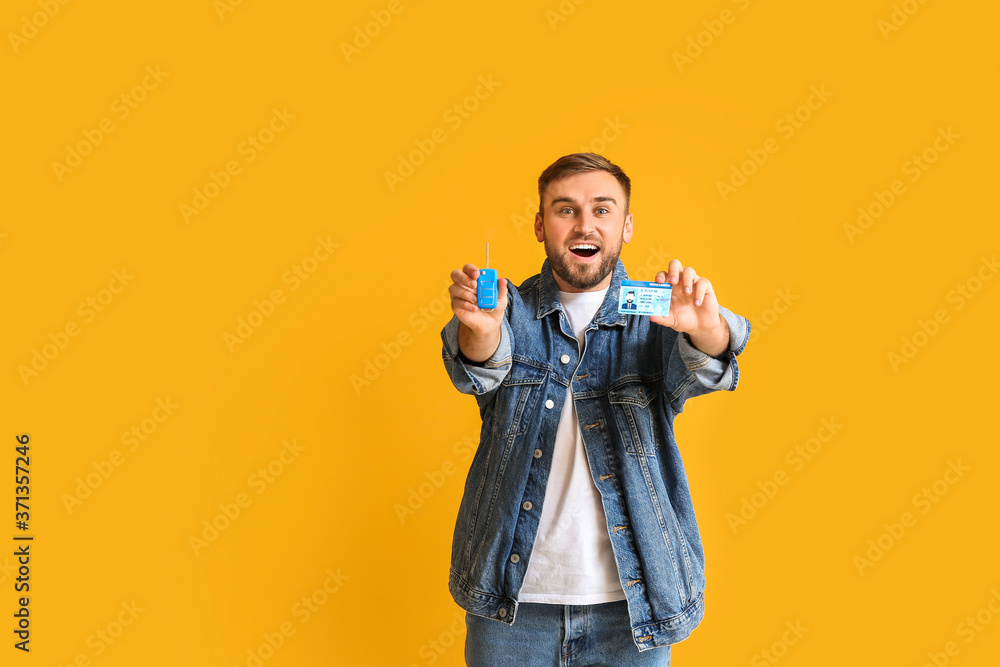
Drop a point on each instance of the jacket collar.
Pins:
(548, 297)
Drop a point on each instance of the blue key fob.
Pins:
(486, 289)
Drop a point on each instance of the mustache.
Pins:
(586, 239)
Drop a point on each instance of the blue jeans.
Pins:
(555, 635)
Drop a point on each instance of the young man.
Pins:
(576, 540)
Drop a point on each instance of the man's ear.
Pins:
(539, 228)
(627, 232)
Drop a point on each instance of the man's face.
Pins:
(583, 228)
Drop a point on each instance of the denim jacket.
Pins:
(629, 381)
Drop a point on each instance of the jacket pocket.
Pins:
(518, 392)
(634, 406)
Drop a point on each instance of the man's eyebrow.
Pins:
(570, 200)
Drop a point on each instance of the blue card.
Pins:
(644, 298)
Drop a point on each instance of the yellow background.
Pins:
(400, 436)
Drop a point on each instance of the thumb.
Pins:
(502, 291)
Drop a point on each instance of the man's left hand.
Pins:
(694, 309)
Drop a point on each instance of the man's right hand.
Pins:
(479, 333)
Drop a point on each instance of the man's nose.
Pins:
(586, 223)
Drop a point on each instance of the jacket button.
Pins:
(538, 453)
(564, 358)
(526, 505)
(503, 613)
(549, 404)
(514, 558)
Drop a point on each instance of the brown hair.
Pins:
(576, 163)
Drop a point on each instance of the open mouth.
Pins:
(583, 249)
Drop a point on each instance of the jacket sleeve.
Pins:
(690, 372)
(471, 378)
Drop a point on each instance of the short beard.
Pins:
(575, 275)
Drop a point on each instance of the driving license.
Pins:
(644, 298)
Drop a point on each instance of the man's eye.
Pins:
(603, 210)
(566, 209)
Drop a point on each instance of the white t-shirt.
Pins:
(572, 561)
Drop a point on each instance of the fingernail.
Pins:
(697, 302)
